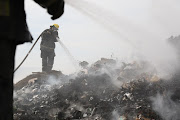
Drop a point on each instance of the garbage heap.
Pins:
(107, 90)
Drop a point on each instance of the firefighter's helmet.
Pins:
(56, 26)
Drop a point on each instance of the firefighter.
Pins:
(49, 37)
(14, 31)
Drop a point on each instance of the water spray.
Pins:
(110, 22)
(75, 63)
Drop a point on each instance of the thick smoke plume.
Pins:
(168, 109)
(144, 42)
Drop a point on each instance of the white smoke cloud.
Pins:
(146, 41)
(53, 81)
(165, 107)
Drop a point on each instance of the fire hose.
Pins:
(27, 54)
(63, 46)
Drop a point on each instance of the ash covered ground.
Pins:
(107, 90)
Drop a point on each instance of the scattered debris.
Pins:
(95, 95)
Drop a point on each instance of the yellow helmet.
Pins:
(56, 25)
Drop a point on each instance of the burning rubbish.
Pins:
(108, 91)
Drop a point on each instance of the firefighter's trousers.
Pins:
(47, 60)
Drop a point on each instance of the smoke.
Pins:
(53, 81)
(110, 70)
(121, 72)
(147, 44)
(168, 109)
(75, 63)
(115, 115)
(105, 18)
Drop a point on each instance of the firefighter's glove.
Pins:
(56, 9)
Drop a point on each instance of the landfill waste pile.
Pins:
(106, 90)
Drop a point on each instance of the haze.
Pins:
(134, 29)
